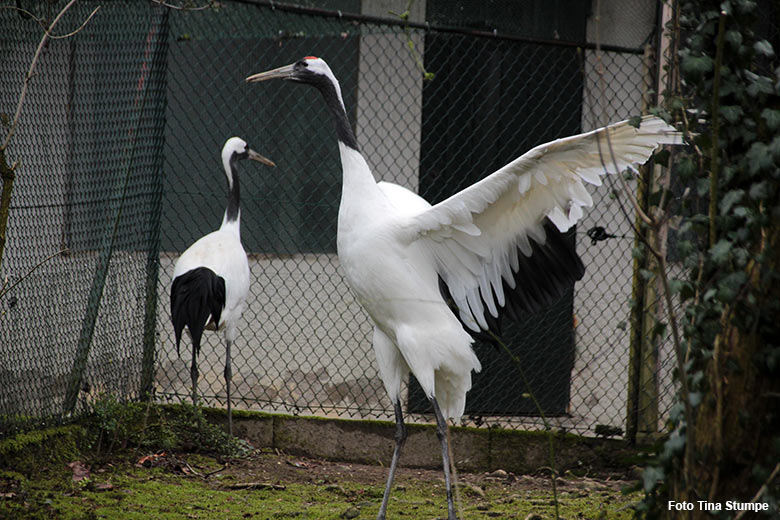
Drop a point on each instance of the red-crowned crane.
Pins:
(495, 245)
(211, 278)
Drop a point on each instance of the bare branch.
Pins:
(25, 12)
(41, 44)
(761, 490)
(83, 24)
(5, 288)
(163, 3)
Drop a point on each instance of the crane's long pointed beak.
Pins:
(260, 158)
(285, 72)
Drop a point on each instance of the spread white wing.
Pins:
(477, 234)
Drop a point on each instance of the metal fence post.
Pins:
(153, 249)
(110, 231)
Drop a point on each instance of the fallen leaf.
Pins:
(105, 486)
(80, 470)
(148, 460)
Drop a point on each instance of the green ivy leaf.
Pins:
(731, 113)
(651, 476)
(772, 118)
(676, 285)
(677, 412)
(758, 158)
(759, 190)
(733, 37)
(659, 330)
(696, 65)
(703, 186)
(774, 147)
(635, 121)
(758, 84)
(719, 253)
(741, 256)
(729, 286)
(729, 199)
(764, 48)
(686, 168)
(673, 445)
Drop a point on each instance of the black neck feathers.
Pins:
(343, 129)
(234, 192)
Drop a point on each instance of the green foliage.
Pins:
(729, 263)
(116, 426)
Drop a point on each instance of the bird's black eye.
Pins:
(302, 63)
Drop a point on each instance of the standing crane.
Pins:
(211, 278)
(495, 245)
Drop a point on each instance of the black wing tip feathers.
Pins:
(540, 280)
(545, 276)
(195, 296)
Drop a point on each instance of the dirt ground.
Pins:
(54, 480)
(276, 485)
(279, 467)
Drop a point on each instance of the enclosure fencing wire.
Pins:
(149, 94)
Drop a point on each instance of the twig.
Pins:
(163, 3)
(551, 445)
(193, 470)
(23, 11)
(43, 24)
(80, 27)
(4, 289)
(41, 44)
(761, 490)
(220, 470)
(427, 76)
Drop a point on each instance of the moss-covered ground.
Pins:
(270, 486)
(133, 461)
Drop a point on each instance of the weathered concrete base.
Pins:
(475, 450)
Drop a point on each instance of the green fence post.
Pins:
(107, 242)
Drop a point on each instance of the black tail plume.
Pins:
(196, 295)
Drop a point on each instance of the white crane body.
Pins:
(396, 282)
(221, 252)
(211, 277)
(495, 246)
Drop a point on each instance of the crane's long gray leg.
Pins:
(228, 376)
(194, 377)
(400, 438)
(441, 433)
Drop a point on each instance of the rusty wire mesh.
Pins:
(304, 345)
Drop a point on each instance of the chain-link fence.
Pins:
(119, 149)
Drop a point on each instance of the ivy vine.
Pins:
(727, 99)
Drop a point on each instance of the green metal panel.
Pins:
(288, 209)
